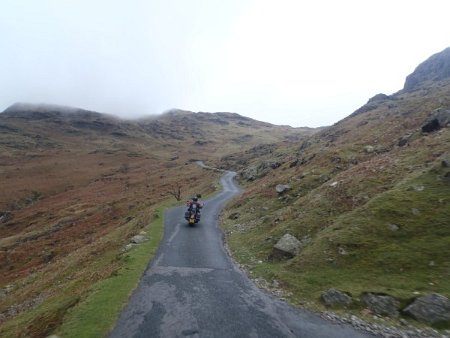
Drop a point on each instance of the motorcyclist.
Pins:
(197, 203)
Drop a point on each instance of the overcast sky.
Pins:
(302, 63)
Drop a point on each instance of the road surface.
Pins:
(192, 289)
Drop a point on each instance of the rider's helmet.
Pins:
(195, 199)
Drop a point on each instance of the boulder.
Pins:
(287, 247)
(381, 304)
(137, 239)
(281, 188)
(438, 119)
(429, 309)
(333, 297)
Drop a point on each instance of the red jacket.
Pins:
(199, 204)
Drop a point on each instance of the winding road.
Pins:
(192, 289)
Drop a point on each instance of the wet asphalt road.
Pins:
(192, 289)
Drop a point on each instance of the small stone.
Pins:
(342, 251)
(393, 227)
(415, 211)
(334, 184)
(369, 149)
(281, 188)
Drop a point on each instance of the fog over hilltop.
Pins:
(284, 63)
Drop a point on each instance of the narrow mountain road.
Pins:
(192, 289)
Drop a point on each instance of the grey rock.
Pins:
(381, 304)
(137, 239)
(333, 297)
(430, 309)
(342, 251)
(393, 227)
(287, 247)
(5, 216)
(369, 149)
(438, 119)
(281, 188)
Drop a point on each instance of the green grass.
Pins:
(412, 260)
(96, 315)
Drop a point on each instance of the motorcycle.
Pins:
(192, 215)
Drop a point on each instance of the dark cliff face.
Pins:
(435, 68)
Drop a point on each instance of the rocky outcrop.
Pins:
(287, 247)
(261, 170)
(430, 309)
(333, 297)
(438, 119)
(435, 68)
(381, 304)
(378, 98)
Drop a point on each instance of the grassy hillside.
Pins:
(369, 198)
(78, 185)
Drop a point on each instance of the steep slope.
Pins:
(77, 185)
(369, 199)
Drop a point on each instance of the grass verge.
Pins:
(398, 244)
(96, 315)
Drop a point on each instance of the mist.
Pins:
(284, 62)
